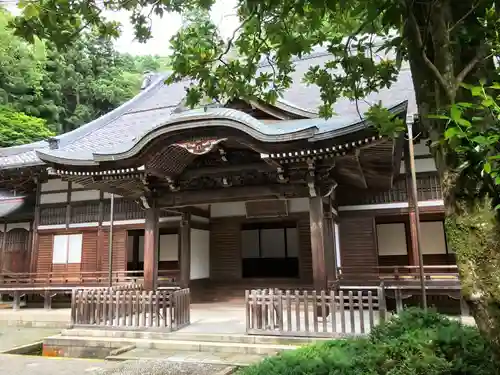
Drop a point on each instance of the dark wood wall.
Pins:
(225, 247)
(358, 244)
(92, 259)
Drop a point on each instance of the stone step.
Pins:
(229, 359)
(72, 345)
(202, 337)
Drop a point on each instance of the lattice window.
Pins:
(17, 240)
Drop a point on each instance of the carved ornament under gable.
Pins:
(200, 146)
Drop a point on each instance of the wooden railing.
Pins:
(71, 279)
(399, 275)
(131, 309)
(323, 314)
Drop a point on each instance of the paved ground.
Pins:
(11, 337)
(40, 318)
(217, 358)
(30, 365)
(158, 367)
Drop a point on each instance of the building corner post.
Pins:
(151, 247)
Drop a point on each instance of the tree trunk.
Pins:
(472, 226)
(474, 234)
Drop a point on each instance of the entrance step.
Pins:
(229, 359)
(201, 337)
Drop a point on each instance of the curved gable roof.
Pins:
(155, 105)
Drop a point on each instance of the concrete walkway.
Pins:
(225, 318)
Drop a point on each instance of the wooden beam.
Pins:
(151, 248)
(227, 169)
(197, 211)
(320, 279)
(185, 249)
(188, 198)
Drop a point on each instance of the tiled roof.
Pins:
(153, 107)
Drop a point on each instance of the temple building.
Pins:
(222, 198)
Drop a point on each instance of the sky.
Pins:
(223, 14)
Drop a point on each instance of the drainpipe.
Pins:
(414, 198)
(110, 241)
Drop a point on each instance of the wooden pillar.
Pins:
(68, 205)
(100, 232)
(320, 280)
(36, 223)
(413, 259)
(151, 248)
(329, 238)
(185, 249)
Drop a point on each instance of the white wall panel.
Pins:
(11, 226)
(227, 209)
(60, 249)
(250, 243)
(200, 254)
(85, 195)
(292, 239)
(391, 239)
(433, 237)
(75, 242)
(298, 205)
(272, 243)
(422, 165)
(54, 184)
(53, 198)
(169, 247)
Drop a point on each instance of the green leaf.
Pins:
(487, 167)
(495, 86)
(455, 112)
(476, 91)
(480, 139)
(464, 122)
(453, 132)
(39, 48)
(439, 117)
(30, 11)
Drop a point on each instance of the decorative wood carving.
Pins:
(200, 146)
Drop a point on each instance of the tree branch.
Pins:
(468, 68)
(471, 10)
(420, 44)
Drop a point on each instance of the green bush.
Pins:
(415, 343)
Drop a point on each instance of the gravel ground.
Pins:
(159, 367)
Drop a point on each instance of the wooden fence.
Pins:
(323, 314)
(131, 309)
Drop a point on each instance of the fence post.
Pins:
(73, 307)
(382, 308)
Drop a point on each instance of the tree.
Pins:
(446, 43)
(70, 85)
(17, 128)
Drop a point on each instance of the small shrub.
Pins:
(415, 343)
